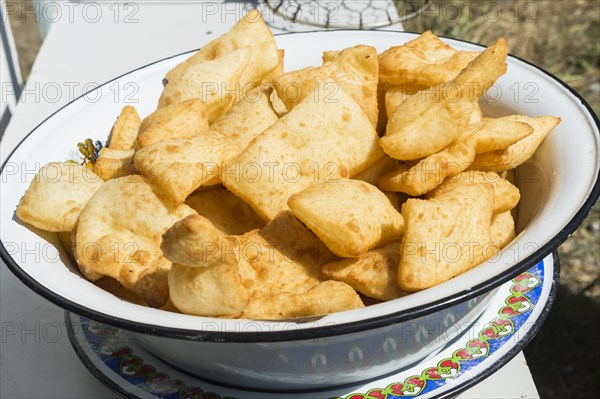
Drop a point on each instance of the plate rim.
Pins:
(449, 393)
(328, 330)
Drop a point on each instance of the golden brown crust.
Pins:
(374, 274)
(56, 196)
(125, 130)
(177, 121)
(349, 216)
(119, 235)
(446, 236)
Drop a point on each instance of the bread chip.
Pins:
(430, 172)
(396, 95)
(425, 60)
(432, 119)
(169, 307)
(67, 239)
(278, 71)
(112, 164)
(119, 235)
(205, 265)
(506, 195)
(422, 177)
(125, 130)
(477, 115)
(325, 298)
(214, 82)
(374, 274)
(446, 236)
(349, 216)
(393, 198)
(56, 196)
(207, 291)
(329, 55)
(500, 133)
(227, 212)
(177, 121)
(196, 242)
(284, 256)
(521, 151)
(355, 69)
(247, 119)
(181, 166)
(250, 31)
(321, 139)
(373, 172)
(117, 289)
(502, 229)
(295, 86)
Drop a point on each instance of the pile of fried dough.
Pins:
(260, 194)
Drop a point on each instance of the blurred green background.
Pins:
(563, 37)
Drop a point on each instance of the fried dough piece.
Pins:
(119, 235)
(176, 121)
(418, 179)
(215, 82)
(373, 172)
(112, 164)
(396, 95)
(502, 229)
(319, 140)
(227, 212)
(196, 242)
(349, 216)
(446, 236)
(500, 133)
(519, 152)
(506, 195)
(117, 289)
(207, 291)
(125, 130)
(282, 257)
(425, 60)
(247, 118)
(430, 120)
(67, 239)
(180, 166)
(278, 71)
(374, 274)
(477, 115)
(356, 71)
(250, 31)
(329, 55)
(325, 298)
(56, 196)
(430, 172)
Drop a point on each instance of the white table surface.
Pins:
(86, 47)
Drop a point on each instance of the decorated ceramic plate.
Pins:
(510, 321)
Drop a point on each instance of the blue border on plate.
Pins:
(538, 270)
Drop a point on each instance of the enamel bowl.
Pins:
(558, 186)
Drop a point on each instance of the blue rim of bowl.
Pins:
(329, 330)
(450, 393)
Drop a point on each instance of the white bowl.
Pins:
(558, 186)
